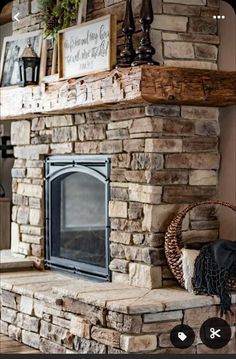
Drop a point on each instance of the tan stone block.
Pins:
(36, 217)
(31, 230)
(92, 132)
(193, 161)
(202, 25)
(147, 124)
(3, 327)
(120, 237)
(20, 133)
(127, 114)
(26, 305)
(30, 190)
(188, 194)
(163, 317)
(8, 299)
(8, 315)
(139, 343)
(120, 278)
(35, 172)
(59, 121)
(186, 2)
(145, 276)
(23, 215)
(14, 332)
(120, 124)
(119, 265)
(134, 145)
(31, 152)
(86, 147)
(117, 134)
(178, 50)
(30, 339)
(64, 134)
(32, 239)
(38, 308)
(15, 237)
(147, 161)
(18, 172)
(145, 194)
(166, 177)
(171, 23)
(206, 65)
(181, 9)
(80, 326)
(110, 146)
(203, 178)
(163, 145)
(62, 148)
(48, 347)
(106, 336)
(118, 209)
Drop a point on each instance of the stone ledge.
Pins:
(10, 261)
(125, 87)
(54, 287)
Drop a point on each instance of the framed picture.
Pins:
(87, 48)
(49, 61)
(13, 47)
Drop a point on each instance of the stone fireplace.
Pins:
(162, 157)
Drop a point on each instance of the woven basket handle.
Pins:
(180, 217)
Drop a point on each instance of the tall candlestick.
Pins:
(127, 55)
(145, 51)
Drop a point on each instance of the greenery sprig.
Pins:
(58, 15)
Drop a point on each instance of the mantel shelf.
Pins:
(126, 87)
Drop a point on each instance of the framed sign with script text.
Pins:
(87, 48)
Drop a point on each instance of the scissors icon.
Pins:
(215, 333)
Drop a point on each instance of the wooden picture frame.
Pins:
(49, 61)
(13, 47)
(79, 46)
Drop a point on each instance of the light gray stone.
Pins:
(144, 276)
(20, 133)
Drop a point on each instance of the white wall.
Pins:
(227, 181)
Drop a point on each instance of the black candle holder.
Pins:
(145, 51)
(127, 55)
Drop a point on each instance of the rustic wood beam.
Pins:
(121, 87)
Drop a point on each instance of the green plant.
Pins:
(58, 15)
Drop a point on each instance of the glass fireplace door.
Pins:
(78, 226)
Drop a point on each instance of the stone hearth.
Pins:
(61, 314)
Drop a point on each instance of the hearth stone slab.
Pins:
(111, 318)
(11, 261)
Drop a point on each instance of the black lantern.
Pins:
(29, 66)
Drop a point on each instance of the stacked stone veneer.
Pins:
(54, 324)
(162, 157)
(184, 32)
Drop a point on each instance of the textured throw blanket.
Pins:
(214, 266)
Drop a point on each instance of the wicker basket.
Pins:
(174, 242)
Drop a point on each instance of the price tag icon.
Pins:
(182, 336)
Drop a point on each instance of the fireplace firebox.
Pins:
(77, 221)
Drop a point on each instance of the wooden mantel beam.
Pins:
(126, 87)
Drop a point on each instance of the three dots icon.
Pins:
(219, 17)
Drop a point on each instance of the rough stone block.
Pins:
(48, 347)
(20, 133)
(117, 134)
(120, 237)
(145, 194)
(106, 336)
(200, 144)
(8, 299)
(162, 110)
(14, 332)
(145, 276)
(111, 146)
(163, 145)
(80, 327)
(27, 322)
(85, 346)
(61, 149)
(15, 237)
(3, 327)
(178, 50)
(119, 265)
(87, 147)
(92, 132)
(18, 172)
(170, 23)
(124, 323)
(188, 194)
(26, 305)
(23, 215)
(203, 178)
(117, 250)
(146, 124)
(8, 315)
(203, 25)
(139, 343)
(147, 161)
(127, 114)
(118, 209)
(166, 177)
(59, 121)
(30, 190)
(135, 145)
(64, 134)
(199, 161)
(30, 339)
(36, 217)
